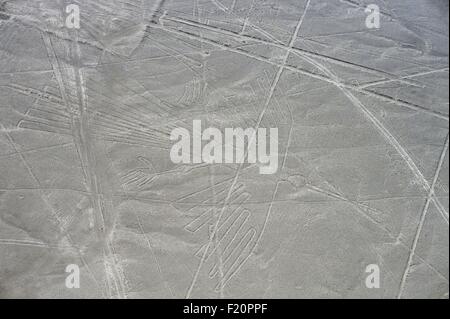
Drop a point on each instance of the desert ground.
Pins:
(358, 207)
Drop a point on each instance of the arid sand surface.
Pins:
(86, 178)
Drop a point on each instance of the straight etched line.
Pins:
(383, 97)
(269, 98)
(422, 221)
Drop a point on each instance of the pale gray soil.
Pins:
(86, 177)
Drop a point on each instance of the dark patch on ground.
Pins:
(3, 15)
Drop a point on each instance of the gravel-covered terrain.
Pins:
(87, 181)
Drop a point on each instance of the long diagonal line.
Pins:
(333, 80)
(77, 136)
(86, 152)
(280, 45)
(46, 201)
(313, 54)
(261, 116)
(298, 70)
(422, 220)
(345, 89)
(154, 255)
(386, 134)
